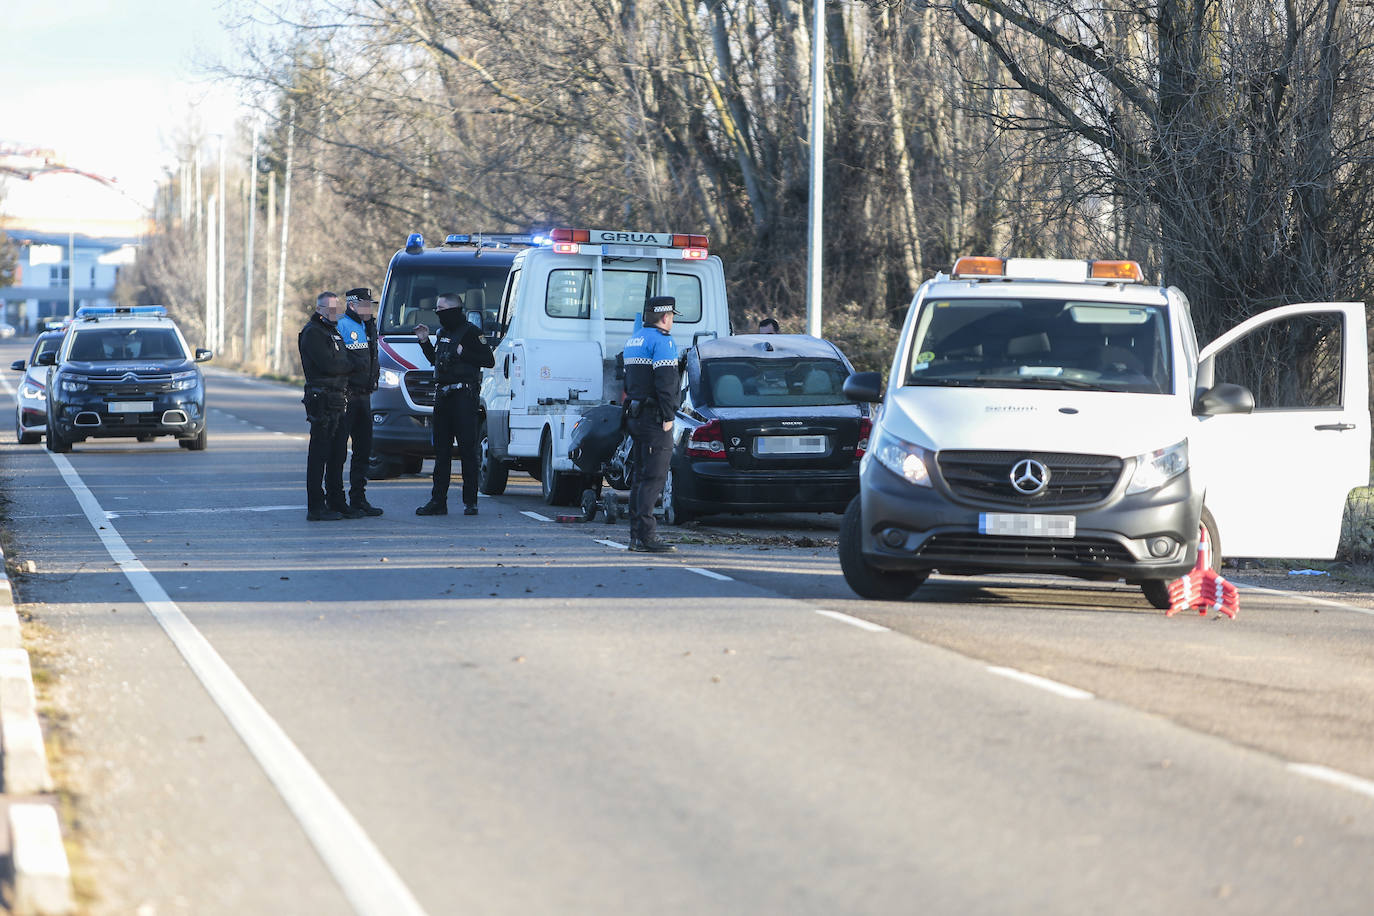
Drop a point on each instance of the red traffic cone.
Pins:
(1202, 589)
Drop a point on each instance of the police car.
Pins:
(474, 266)
(124, 371)
(1059, 416)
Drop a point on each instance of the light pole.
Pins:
(248, 244)
(813, 217)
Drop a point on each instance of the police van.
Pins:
(474, 266)
(1058, 416)
(567, 308)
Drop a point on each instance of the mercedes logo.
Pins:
(1029, 476)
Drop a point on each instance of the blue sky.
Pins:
(112, 86)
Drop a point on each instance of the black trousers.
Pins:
(652, 452)
(325, 460)
(455, 419)
(359, 427)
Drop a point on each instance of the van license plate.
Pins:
(1023, 525)
(790, 445)
(131, 406)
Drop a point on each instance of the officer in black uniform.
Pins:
(651, 402)
(358, 327)
(459, 355)
(326, 364)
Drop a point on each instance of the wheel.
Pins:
(491, 473)
(590, 504)
(673, 513)
(864, 579)
(56, 441)
(22, 436)
(1156, 591)
(198, 443)
(380, 467)
(1208, 526)
(559, 488)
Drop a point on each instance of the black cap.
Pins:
(361, 294)
(659, 305)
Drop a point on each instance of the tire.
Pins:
(864, 579)
(1214, 538)
(673, 513)
(198, 443)
(382, 467)
(23, 437)
(559, 488)
(57, 443)
(491, 473)
(1156, 591)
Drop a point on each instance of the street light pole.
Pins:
(813, 218)
(248, 243)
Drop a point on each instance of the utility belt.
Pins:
(473, 387)
(637, 407)
(323, 403)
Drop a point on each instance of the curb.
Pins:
(42, 881)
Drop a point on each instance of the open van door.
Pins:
(1277, 479)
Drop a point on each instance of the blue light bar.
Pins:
(457, 239)
(415, 243)
(127, 311)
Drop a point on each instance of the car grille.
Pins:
(978, 547)
(420, 387)
(142, 383)
(986, 476)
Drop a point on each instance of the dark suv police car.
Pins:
(472, 266)
(125, 371)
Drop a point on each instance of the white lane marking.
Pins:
(366, 878)
(1334, 777)
(536, 516)
(1044, 683)
(130, 513)
(1301, 597)
(616, 544)
(708, 574)
(853, 621)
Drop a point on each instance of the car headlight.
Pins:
(390, 379)
(1155, 469)
(31, 392)
(182, 381)
(69, 384)
(903, 458)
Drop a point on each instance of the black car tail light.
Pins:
(865, 429)
(706, 441)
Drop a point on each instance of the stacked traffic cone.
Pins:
(1202, 588)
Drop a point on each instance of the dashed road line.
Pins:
(616, 544)
(1333, 777)
(1044, 683)
(708, 574)
(536, 516)
(854, 621)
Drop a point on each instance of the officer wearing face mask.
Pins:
(459, 355)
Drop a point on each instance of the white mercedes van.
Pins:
(1058, 416)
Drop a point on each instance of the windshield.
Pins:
(773, 382)
(410, 296)
(1040, 343)
(113, 344)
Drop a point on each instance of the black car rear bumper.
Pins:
(708, 486)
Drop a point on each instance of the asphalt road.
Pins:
(255, 713)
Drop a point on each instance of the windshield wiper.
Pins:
(1040, 381)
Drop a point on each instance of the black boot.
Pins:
(361, 506)
(433, 507)
(322, 514)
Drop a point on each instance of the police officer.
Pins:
(358, 328)
(459, 355)
(327, 365)
(651, 392)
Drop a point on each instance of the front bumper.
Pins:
(398, 428)
(179, 414)
(917, 528)
(714, 486)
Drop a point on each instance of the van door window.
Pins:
(1289, 364)
(569, 293)
(508, 301)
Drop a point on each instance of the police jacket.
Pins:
(651, 374)
(324, 358)
(360, 340)
(452, 367)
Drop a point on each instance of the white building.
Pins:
(59, 273)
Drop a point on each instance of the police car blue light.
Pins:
(415, 243)
(128, 311)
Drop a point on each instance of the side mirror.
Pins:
(865, 387)
(46, 359)
(17, 365)
(203, 354)
(1224, 398)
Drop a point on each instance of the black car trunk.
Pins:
(772, 438)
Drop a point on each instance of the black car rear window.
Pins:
(799, 382)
